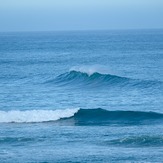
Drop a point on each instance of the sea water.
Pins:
(81, 96)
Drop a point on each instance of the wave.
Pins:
(138, 141)
(82, 78)
(96, 79)
(82, 117)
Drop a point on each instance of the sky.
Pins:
(51, 15)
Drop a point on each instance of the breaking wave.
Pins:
(81, 117)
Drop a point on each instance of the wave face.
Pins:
(104, 117)
(96, 79)
(81, 117)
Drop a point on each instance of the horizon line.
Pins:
(80, 30)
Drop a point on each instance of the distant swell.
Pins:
(95, 79)
(138, 141)
(82, 77)
(82, 117)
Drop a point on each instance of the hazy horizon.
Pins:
(52, 15)
(82, 30)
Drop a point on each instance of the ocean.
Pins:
(81, 96)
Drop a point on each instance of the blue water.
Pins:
(81, 96)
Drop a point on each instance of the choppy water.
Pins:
(93, 96)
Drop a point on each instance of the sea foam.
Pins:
(29, 116)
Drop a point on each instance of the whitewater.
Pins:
(28, 116)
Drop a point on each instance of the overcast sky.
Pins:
(50, 15)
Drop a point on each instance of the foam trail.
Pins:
(29, 116)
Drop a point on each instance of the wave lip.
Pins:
(90, 69)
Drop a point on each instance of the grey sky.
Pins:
(45, 15)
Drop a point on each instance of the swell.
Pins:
(138, 141)
(95, 79)
(81, 117)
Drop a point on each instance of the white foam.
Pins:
(29, 116)
(90, 69)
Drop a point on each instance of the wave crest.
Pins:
(90, 69)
